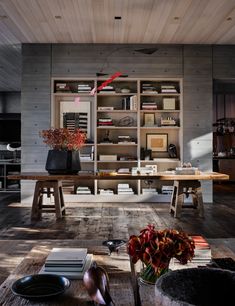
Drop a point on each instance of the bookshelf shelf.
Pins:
(126, 115)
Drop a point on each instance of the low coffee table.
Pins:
(117, 266)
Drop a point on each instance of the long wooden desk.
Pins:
(182, 184)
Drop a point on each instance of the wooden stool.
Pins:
(48, 187)
(177, 198)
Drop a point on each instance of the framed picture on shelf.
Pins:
(149, 119)
(157, 142)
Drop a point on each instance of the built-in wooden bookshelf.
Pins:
(123, 121)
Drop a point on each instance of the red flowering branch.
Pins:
(63, 139)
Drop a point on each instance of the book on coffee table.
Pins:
(72, 273)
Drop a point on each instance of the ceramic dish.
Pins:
(40, 286)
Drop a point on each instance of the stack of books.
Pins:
(69, 262)
(149, 191)
(202, 252)
(107, 89)
(83, 190)
(106, 191)
(84, 88)
(202, 255)
(168, 89)
(148, 89)
(125, 140)
(167, 189)
(62, 87)
(105, 122)
(148, 105)
(124, 188)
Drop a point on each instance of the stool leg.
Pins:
(61, 199)
(37, 201)
(57, 200)
(200, 206)
(177, 199)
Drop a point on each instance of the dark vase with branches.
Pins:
(64, 156)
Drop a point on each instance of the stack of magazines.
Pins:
(69, 262)
(202, 252)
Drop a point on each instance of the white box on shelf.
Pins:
(168, 103)
(108, 157)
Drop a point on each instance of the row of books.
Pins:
(83, 190)
(68, 262)
(105, 121)
(148, 105)
(124, 188)
(129, 103)
(84, 88)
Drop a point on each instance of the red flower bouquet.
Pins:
(63, 139)
(156, 248)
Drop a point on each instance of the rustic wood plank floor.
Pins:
(100, 221)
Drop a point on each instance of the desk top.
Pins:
(117, 266)
(164, 176)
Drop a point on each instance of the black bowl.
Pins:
(40, 286)
(113, 244)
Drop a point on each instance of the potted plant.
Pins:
(63, 158)
(156, 248)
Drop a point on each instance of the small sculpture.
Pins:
(96, 282)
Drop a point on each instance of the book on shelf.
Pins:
(105, 108)
(123, 170)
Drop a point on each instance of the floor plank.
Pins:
(101, 221)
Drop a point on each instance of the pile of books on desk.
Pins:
(69, 262)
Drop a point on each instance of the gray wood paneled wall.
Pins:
(196, 64)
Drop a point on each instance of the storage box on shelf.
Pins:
(122, 114)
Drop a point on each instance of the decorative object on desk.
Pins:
(196, 286)
(155, 249)
(96, 281)
(64, 156)
(113, 244)
(157, 142)
(40, 287)
(172, 151)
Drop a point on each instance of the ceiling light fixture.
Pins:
(117, 17)
(147, 51)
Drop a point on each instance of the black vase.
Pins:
(63, 162)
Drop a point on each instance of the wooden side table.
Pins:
(48, 187)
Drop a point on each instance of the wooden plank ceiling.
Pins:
(92, 21)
